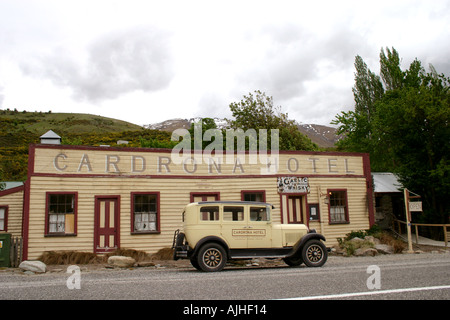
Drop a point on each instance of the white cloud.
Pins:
(147, 61)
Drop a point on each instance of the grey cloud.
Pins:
(295, 59)
(116, 64)
(213, 104)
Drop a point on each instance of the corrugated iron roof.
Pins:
(386, 182)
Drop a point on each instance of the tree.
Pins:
(204, 124)
(256, 111)
(405, 128)
(390, 69)
(368, 89)
(413, 122)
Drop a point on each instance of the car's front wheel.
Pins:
(293, 261)
(211, 257)
(314, 253)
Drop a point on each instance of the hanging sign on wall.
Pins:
(293, 185)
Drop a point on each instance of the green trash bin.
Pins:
(5, 247)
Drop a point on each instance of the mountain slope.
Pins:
(323, 136)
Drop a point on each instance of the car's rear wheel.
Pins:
(314, 253)
(211, 257)
(195, 263)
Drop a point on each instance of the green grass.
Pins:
(62, 123)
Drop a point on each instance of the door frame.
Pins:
(98, 200)
(297, 211)
(303, 208)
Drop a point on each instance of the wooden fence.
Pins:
(417, 225)
(16, 251)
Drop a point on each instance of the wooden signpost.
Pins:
(410, 207)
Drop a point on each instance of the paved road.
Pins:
(408, 276)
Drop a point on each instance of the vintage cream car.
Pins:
(217, 231)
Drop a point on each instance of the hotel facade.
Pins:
(97, 199)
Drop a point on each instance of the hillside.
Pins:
(61, 123)
(325, 137)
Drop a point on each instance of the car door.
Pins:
(234, 226)
(259, 227)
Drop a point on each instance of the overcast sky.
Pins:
(149, 61)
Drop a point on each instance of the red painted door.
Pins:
(295, 211)
(106, 222)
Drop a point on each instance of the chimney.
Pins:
(50, 138)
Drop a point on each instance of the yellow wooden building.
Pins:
(96, 199)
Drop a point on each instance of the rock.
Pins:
(121, 261)
(365, 252)
(372, 239)
(384, 248)
(356, 240)
(33, 266)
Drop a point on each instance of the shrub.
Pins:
(163, 254)
(385, 238)
(69, 257)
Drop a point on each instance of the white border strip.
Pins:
(369, 293)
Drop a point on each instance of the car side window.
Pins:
(233, 213)
(259, 214)
(209, 213)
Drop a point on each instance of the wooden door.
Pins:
(106, 234)
(295, 212)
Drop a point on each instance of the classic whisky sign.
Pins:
(293, 185)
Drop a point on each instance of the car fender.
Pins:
(214, 239)
(303, 240)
